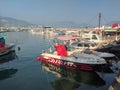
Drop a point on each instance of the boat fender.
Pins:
(39, 58)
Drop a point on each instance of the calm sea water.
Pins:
(24, 72)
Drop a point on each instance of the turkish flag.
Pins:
(61, 50)
(115, 25)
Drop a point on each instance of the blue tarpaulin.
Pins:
(3, 39)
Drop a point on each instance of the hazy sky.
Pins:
(50, 11)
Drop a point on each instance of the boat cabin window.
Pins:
(74, 43)
(93, 45)
(86, 45)
(80, 45)
(94, 37)
(87, 39)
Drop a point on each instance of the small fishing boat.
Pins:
(8, 48)
(72, 59)
(5, 48)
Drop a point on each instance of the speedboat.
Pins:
(74, 59)
(109, 57)
(89, 48)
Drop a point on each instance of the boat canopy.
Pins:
(3, 39)
(66, 38)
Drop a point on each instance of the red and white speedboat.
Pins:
(74, 59)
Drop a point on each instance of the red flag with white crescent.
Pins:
(115, 25)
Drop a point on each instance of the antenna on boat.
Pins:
(51, 43)
(99, 25)
(99, 20)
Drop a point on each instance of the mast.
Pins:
(99, 20)
(102, 33)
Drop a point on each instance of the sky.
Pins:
(51, 11)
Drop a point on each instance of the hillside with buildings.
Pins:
(10, 22)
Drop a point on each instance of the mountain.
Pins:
(70, 24)
(7, 21)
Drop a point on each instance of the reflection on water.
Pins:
(68, 79)
(104, 69)
(7, 73)
(8, 57)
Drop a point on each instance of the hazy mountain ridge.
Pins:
(7, 21)
(70, 24)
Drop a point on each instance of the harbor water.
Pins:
(20, 70)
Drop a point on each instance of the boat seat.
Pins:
(68, 53)
(55, 52)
